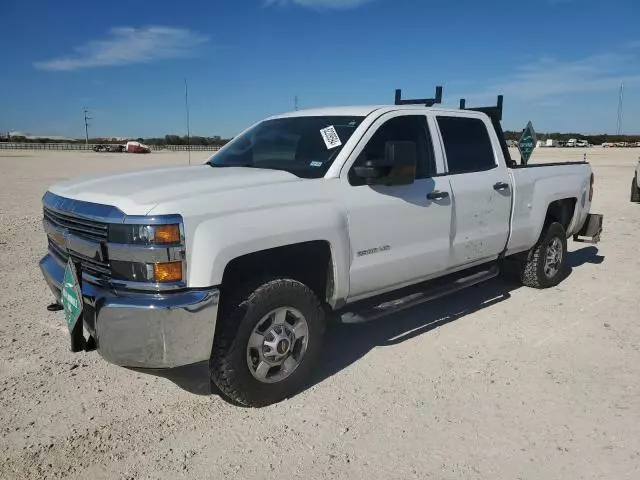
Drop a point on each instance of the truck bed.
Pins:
(536, 186)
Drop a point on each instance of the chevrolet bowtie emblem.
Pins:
(60, 238)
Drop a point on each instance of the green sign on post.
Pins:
(71, 296)
(527, 143)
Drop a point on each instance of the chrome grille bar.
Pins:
(92, 267)
(83, 228)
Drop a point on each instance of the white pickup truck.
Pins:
(339, 213)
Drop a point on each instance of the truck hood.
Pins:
(137, 193)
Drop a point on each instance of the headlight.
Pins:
(145, 234)
(151, 254)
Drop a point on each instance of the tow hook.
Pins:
(55, 307)
(78, 342)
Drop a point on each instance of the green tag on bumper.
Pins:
(71, 296)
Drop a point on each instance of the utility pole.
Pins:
(186, 104)
(620, 110)
(86, 125)
(295, 103)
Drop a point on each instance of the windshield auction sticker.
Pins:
(330, 137)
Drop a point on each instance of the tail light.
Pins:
(593, 179)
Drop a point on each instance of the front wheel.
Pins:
(546, 263)
(270, 335)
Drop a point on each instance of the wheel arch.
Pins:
(561, 211)
(310, 262)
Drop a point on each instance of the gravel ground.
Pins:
(497, 382)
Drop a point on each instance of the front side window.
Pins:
(411, 128)
(303, 146)
(467, 144)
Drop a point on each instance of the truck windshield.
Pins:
(303, 146)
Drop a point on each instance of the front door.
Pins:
(398, 235)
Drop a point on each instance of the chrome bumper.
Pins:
(145, 330)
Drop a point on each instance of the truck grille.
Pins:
(90, 230)
(80, 227)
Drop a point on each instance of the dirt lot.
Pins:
(498, 382)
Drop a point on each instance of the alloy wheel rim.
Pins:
(277, 345)
(553, 258)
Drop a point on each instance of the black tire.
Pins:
(635, 190)
(533, 271)
(239, 316)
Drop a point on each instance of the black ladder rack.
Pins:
(429, 102)
(494, 112)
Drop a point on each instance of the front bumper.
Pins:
(142, 329)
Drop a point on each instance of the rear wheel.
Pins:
(269, 337)
(635, 190)
(546, 263)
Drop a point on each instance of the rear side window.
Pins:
(467, 144)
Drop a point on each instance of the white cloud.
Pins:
(549, 78)
(321, 3)
(126, 45)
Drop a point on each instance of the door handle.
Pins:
(500, 186)
(437, 195)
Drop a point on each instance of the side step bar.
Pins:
(392, 302)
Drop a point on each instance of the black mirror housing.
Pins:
(372, 172)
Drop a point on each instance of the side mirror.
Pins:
(397, 168)
(372, 171)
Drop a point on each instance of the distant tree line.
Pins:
(177, 140)
(18, 139)
(166, 140)
(592, 139)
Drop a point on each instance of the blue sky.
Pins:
(559, 63)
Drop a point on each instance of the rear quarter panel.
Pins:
(535, 189)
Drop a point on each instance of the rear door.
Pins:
(481, 189)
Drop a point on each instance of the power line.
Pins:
(186, 104)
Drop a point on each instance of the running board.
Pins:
(392, 302)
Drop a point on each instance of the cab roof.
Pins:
(494, 112)
(360, 111)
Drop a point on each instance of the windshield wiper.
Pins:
(245, 165)
(240, 165)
